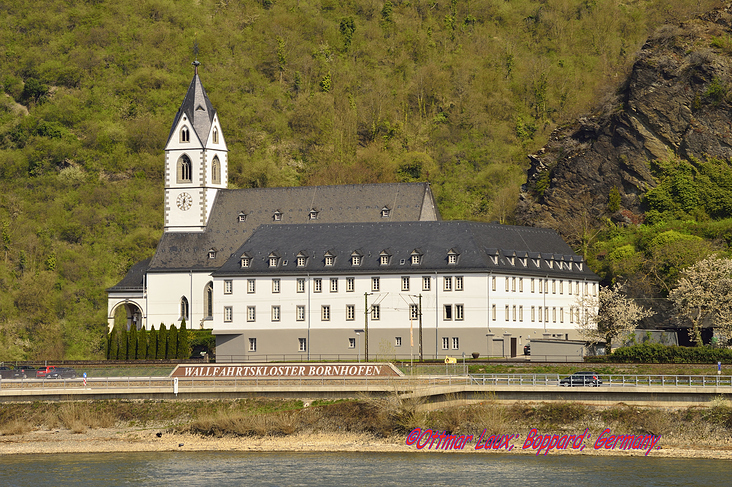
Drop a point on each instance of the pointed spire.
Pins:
(196, 107)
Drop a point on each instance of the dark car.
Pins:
(590, 379)
(24, 371)
(6, 372)
(61, 373)
(527, 349)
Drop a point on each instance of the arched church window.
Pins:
(185, 136)
(208, 300)
(216, 170)
(184, 169)
(184, 308)
(215, 135)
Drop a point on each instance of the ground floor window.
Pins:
(252, 344)
(302, 344)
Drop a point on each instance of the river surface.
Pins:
(182, 469)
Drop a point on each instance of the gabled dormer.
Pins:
(452, 256)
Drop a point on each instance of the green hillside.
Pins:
(309, 92)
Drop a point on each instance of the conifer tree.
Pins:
(162, 342)
(132, 342)
(113, 343)
(172, 348)
(183, 351)
(122, 352)
(142, 344)
(152, 344)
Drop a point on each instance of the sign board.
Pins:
(287, 370)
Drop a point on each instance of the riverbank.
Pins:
(366, 425)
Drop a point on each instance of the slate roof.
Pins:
(134, 279)
(481, 246)
(224, 233)
(198, 108)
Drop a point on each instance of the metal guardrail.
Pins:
(397, 383)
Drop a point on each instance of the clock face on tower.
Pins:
(184, 201)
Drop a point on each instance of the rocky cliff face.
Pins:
(675, 103)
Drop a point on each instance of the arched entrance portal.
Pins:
(128, 313)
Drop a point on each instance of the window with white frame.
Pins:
(334, 284)
(405, 283)
(384, 259)
(273, 261)
(455, 343)
(571, 314)
(302, 345)
(561, 315)
(521, 284)
(375, 283)
(351, 343)
(507, 283)
(447, 312)
(554, 315)
(546, 286)
(426, 281)
(532, 284)
(540, 285)
(375, 312)
(242, 217)
(300, 313)
(507, 313)
(533, 313)
(350, 312)
(521, 313)
(493, 283)
(415, 259)
(251, 313)
(228, 314)
(452, 258)
(445, 343)
(329, 260)
(350, 284)
(301, 285)
(561, 286)
(569, 287)
(513, 284)
(313, 214)
(493, 312)
(514, 312)
(385, 212)
(251, 286)
(325, 312)
(459, 312)
(397, 341)
(252, 344)
(413, 312)
(184, 308)
(275, 285)
(447, 280)
(355, 260)
(554, 286)
(228, 286)
(245, 262)
(277, 216)
(301, 261)
(539, 314)
(317, 285)
(275, 313)
(458, 283)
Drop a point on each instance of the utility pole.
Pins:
(366, 326)
(421, 357)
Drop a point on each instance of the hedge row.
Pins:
(148, 345)
(655, 353)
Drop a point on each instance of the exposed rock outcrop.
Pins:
(674, 103)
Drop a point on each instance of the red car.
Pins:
(42, 371)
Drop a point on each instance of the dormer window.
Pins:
(385, 212)
(356, 260)
(277, 216)
(313, 214)
(301, 260)
(416, 257)
(452, 257)
(329, 258)
(246, 262)
(242, 217)
(384, 260)
(273, 260)
(185, 135)
(212, 253)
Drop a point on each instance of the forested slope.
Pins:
(309, 92)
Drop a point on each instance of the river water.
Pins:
(182, 469)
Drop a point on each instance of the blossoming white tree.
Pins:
(704, 296)
(609, 316)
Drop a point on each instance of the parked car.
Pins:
(23, 372)
(581, 379)
(61, 373)
(43, 371)
(527, 349)
(6, 372)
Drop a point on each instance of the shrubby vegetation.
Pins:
(309, 92)
(655, 353)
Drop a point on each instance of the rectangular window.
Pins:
(426, 283)
(228, 314)
(351, 343)
(493, 312)
(539, 311)
(540, 286)
(356, 260)
(507, 313)
(413, 312)
(594, 289)
(334, 284)
(317, 285)
(250, 286)
(350, 284)
(533, 313)
(375, 312)
(459, 312)
(507, 281)
(251, 313)
(405, 283)
(375, 283)
(532, 284)
(514, 312)
(448, 283)
(561, 287)
(576, 288)
(569, 287)
(554, 286)
(513, 284)
(302, 345)
(300, 285)
(493, 283)
(300, 261)
(571, 314)
(521, 313)
(554, 315)
(300, 313)
(546, 286)
(397, 341)
(455, 343)
(561, 315)
(329, 260)
(275, 285)
(445, 343)
(325, 313)
(228, 287)
(275, 313)
(521, 284)
(384, 260)
(350, 312)
(458, 283)
(252, 344)
(447, 314)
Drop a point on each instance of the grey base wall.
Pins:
(333, 344)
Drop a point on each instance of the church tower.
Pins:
(196, 163)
